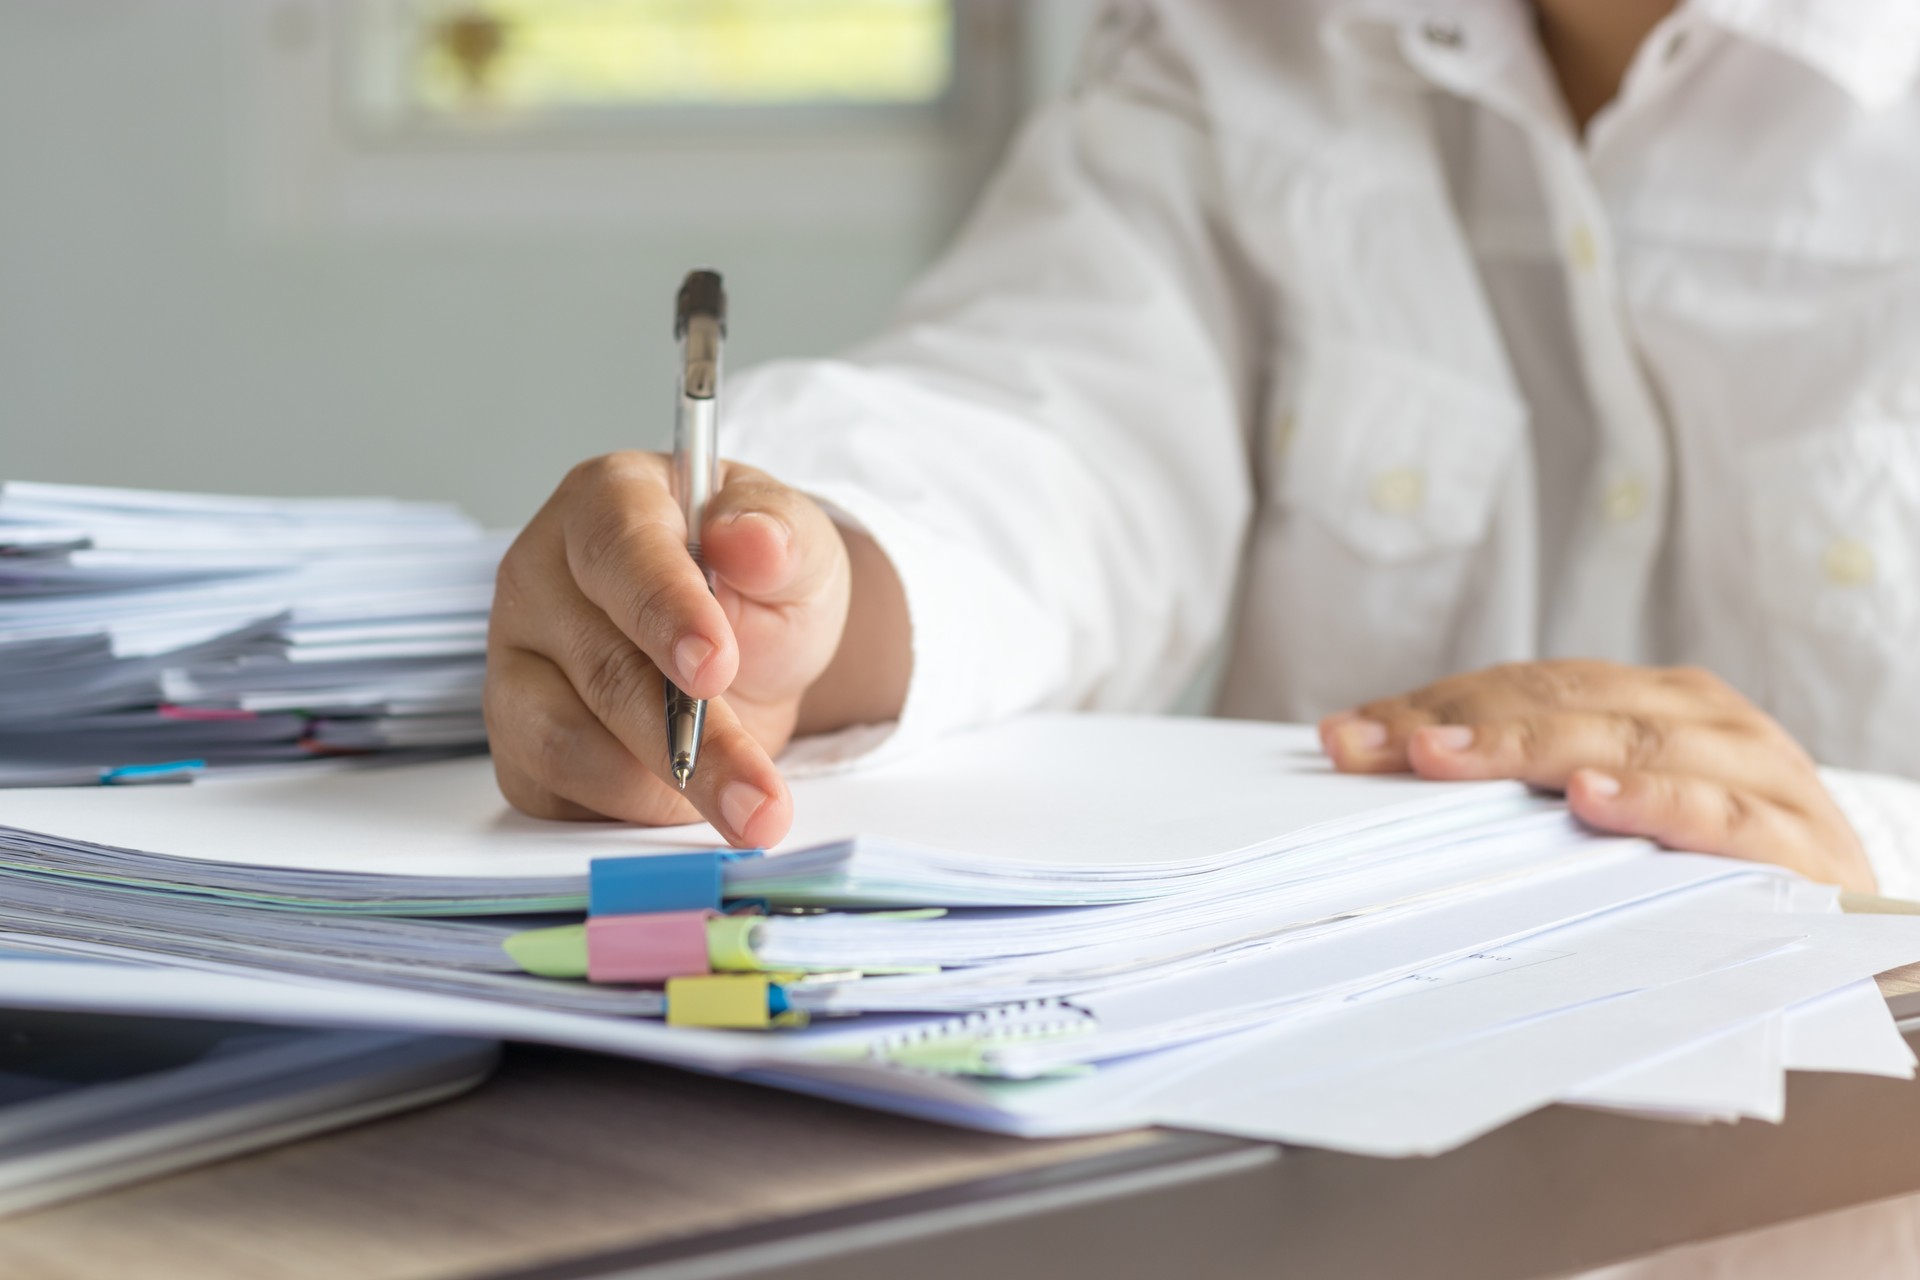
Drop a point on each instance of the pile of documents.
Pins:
(1271, 949)
(146, 635)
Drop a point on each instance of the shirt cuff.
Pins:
(1885, 813)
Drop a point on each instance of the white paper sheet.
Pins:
(1742, 1072)
(1738, 1072)
(1213, 992)
(1088, 789)
(1847, 1030)
(1441, 1099)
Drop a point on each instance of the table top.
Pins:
(559, 1153)
(563, 1155)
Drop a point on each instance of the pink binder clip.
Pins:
(648, 948)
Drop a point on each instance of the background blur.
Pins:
(428, 248)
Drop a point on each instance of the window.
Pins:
(478, 60)
(638, 114)
(598, 68)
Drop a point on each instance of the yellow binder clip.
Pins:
(745, 1001)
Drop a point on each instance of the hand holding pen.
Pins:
(600, 609)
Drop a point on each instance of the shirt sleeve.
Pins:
(1049, 440)
(1885, 813)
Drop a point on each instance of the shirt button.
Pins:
(1581, 247)
(1444, 35)
(1848, 563)
(1624, 500)
(1399, 491)
(1676, 45)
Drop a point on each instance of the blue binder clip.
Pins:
(660, 882)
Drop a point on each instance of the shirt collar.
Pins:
(1476, 35)
(1478, 48)
(1870, 48)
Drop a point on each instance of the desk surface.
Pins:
(558, 1154)
(565, 1155)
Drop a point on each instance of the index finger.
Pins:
(1373, 737)
(626, 547)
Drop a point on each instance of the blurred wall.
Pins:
(155, 330)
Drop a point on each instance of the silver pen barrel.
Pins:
(700, 323)
(696, 424)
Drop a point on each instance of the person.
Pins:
(1520, 390)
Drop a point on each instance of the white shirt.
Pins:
(1316, 327)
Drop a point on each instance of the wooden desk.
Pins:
(560, 1153)
(637, 1170)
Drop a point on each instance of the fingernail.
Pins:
(690, 655)
(1362, 735)
(772, 522)
(1603, 785)
(739, 801)
(1448, 737)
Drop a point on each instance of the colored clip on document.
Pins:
(660, 882)
(654, 948)
(746, 1001)
(677, 944)
(633, 948)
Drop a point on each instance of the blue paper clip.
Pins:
(140, 774)
(660, 882)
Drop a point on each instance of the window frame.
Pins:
(308, 161)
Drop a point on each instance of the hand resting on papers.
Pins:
(804, 629)
(1673, 754)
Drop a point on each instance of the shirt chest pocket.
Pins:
(1399, 461)
(1374, 568)
(1834, 522)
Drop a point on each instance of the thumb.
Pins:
(772, 544)
(783, 579)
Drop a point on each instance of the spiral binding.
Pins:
(960, 1046)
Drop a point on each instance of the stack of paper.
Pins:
(1382, 965)
(142, 629)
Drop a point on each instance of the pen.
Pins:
(699, 323)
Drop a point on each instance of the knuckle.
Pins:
(1548, 684)
(1655, 795)
(614, 680)
(603, 539)
(1644, 741)
(650, 606)
(586, 476)
(1379, 708)
(1697, 679)
(607, 468)
(547, 748)
(1738, 813)
(512, 579)
(524, 794)
(1527, 738)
